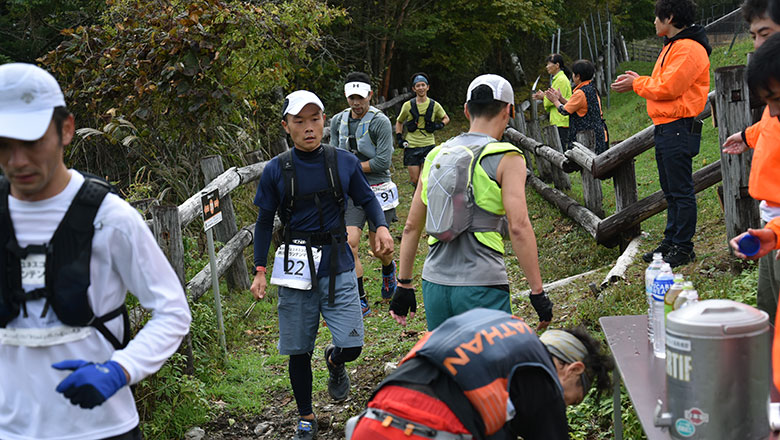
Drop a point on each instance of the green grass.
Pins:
(253, 383)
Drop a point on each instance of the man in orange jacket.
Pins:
(764, 81)
(764, 183)
(676, 92)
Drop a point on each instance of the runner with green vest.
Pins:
(465, 266)
(560, 81)
(365, 131)
(421, 116)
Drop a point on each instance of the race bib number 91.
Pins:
(387, 195)
(296, 274)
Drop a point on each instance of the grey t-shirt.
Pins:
(381, 132)
(465, 261)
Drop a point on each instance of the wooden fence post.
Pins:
(237, 275)
(733, 115)
(591, 187)
(560, 178)
(626, 194)
(544, 167)
(167, 232)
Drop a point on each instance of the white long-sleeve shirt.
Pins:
(125, 257)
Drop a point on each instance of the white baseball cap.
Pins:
(502, 90)
(357, 88)
(28, 95)
(297, 100)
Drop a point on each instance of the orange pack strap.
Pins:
(408, 427)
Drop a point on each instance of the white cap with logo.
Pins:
(357, 88)
(297, 100)
(28, 95)
(502, 90)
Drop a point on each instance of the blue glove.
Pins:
(90, 384)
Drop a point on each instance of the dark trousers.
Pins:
(563, 133)
(676, 144)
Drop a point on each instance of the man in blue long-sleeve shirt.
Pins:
(316, 271)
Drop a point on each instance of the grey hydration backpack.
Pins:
(451, 209)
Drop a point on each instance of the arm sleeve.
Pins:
(540, 410)
(683, 66)
(752, 132)
(405, 114)
(263, 231)
(145, 271)
(774, 225)
(576, 102)
(384, 144)
(361, 194)
(335, 121)
(438, 112)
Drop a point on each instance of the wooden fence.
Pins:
(731, 98)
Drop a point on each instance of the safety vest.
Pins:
(334, 193)
(68, 256)
(591, 121)
(361, 143)
(412, 124)
(480, 350)
(486, 192)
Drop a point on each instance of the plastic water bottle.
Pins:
(650, 273)
(673, 292)
(686, 298)
(661, 285)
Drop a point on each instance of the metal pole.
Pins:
(609, 61)
(601, 30)
(579, 39)
(587, 37)
(595, 38)
(215, 288)
(559, 41)
(552, 43)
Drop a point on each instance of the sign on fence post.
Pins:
(212, 215)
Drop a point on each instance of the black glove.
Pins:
(403, 301)
(438, 125)
(399, 139)
(543, 306)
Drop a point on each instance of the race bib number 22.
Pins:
(296, 274)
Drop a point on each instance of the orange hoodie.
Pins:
(764, 184)
(679, 83)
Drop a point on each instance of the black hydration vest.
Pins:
(335, 237)
(412, 124)
(591, 121)
(68, 257)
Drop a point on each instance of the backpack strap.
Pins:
(338, 234)
(411, 125)
(10, 269)
(429, 116)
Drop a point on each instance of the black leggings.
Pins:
(134, 434)
(300, 374)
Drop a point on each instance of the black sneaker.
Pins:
(338, 382)
(678, 256)
(306, 430)
(663, 248)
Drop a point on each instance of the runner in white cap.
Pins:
(71, 250)
(465, 268)
(314, 270)
(365, 131)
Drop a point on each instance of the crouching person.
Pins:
(485, 374)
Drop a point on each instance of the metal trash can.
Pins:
(718, 372)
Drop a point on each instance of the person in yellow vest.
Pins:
(560, 81)
(421, 116)
(468, 271)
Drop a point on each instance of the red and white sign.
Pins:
(697, 416)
